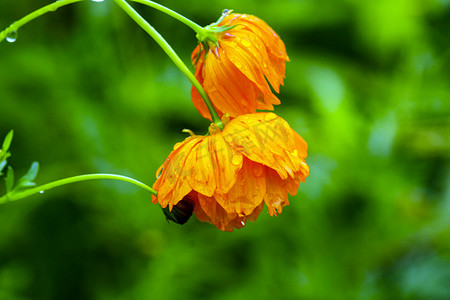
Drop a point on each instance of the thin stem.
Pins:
(37, 13)
(44, 187)
(172, 55)
(194, 26)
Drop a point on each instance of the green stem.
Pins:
(194, 26)
(37, 13)
(40, 189)
(172, 55)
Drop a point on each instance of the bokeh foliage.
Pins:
(86, 91)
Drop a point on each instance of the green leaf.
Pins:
(7, 141)
(9, 179)
(27, 179)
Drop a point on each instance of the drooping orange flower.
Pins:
(227, 176)
(235, 61)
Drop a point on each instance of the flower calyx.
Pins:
(217, 128)
(210, 35)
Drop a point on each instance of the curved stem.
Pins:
(172, 55)
(40, 189)
(39, 12)
(194, 26)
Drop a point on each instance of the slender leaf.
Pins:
(7, 141)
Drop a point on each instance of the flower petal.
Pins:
(267, 139)
(195, 95)
(274, 44)
(226, 163)
(248, 65)
(199, 169)
(255, 213)
(228, 88)
(273, 68)
(172, 185)
(276, 196)
(248, 192)
(273, 47)
(217, 214)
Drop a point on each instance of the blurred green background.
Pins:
(368, 87)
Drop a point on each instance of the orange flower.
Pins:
(233, 64)
(227, 176)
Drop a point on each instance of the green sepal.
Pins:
(217, 29)
(27, 179)
(209, 34)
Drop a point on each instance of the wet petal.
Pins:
(248, 65)
(248, 192)
(199, 169)
(226, 163)
(222, 82)
(264, 138)
(216, 213)
(300, 145)
(256, 212)
(276, 196)
(172, 185)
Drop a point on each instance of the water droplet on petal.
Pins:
(243, 223)
(269, 117)
(226, 12)
(246, 43)
(258, 170)
(237, 63)
(12, 36)
(236, 159)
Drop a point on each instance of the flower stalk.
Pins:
(172, 55)
(40, 189)
(194, 26)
